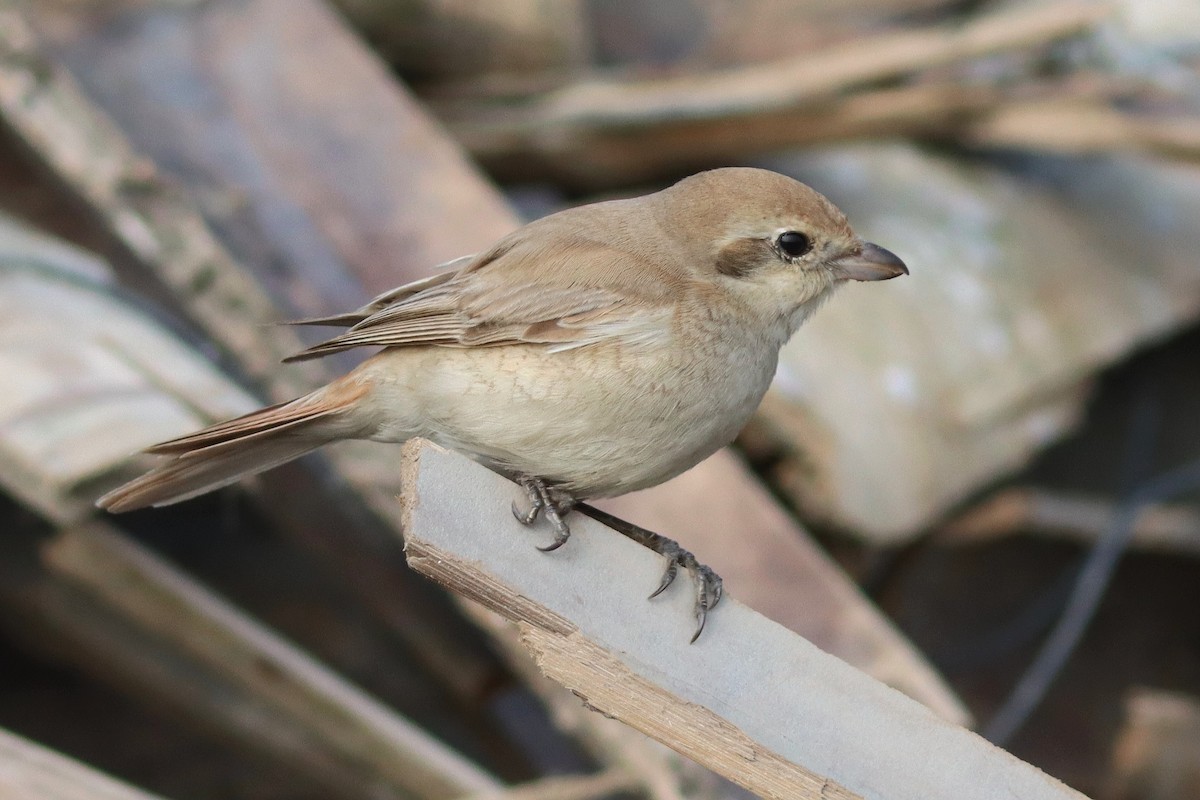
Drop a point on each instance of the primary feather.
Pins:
(547, 283)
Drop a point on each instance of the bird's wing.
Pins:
(565, 294)
(391, 296)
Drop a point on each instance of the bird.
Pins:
(599, 350)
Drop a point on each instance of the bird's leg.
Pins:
(555, 503)
(548, 500)
(708, 583)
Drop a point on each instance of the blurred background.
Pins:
(980, 484)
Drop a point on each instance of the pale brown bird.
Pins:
(596, 351)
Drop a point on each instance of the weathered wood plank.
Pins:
(775, 568)
(247, 681)
(157, 237)
(318, 171)
(600, 131)
(28, 771)
(446, 39)
(749, 699)
(90, 377)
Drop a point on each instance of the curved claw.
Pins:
(524, 517)
(561, 532)
(709, 587)
(536, 504)
(709, 591)
(667, 579)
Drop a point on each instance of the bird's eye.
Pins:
(794, 244)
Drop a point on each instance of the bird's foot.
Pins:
(549, 501)
(709, 588)
(554, 504)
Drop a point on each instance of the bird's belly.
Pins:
(598, 421)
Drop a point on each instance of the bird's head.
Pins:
(770, 239)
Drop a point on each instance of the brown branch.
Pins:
(1079, 518)
(1080, 125)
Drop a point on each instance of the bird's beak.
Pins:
(871, 263)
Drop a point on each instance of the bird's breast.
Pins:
(600, 420)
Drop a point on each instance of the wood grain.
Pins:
(749, 699)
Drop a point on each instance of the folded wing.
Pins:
(563, 296)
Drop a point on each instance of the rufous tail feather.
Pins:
(223, 453)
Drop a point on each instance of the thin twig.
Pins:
(1032, 510)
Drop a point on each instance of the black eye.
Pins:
(794, 244)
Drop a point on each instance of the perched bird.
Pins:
(596, 351)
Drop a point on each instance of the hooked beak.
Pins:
(872, 263)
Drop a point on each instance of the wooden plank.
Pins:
(749, 699)
(153, 228)
(28, 771)
(91, 377)
(439, 39)
(660, 773)
(283, 701)
(601, 131)
(776, 568)
(157, 237)
(808, 77)
(319, 171)
(1084, 126)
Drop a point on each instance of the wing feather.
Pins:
(570, 295)
(392, 296)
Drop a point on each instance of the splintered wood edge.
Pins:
(608, 686)
(476, 584)
(750, 700)
(604, 683)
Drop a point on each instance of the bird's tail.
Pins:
(222, 453)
